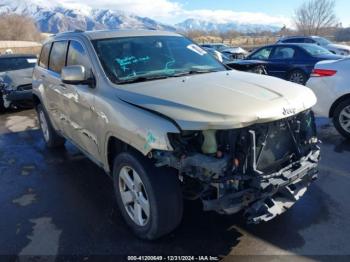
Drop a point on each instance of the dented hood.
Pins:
(220, 100)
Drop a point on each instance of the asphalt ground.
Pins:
(59, 203)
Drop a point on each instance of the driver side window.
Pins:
(262, 54)
(78, 56)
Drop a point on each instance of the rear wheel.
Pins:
(51, 137)
(297, 76)
(149, 198)
(341, 118)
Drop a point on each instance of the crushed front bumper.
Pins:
(270, 195)
(15, 96)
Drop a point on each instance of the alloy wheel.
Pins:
(344, 118)
(297, 77)
(134, 196)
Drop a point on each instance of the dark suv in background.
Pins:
(16, 79)
(337, 49)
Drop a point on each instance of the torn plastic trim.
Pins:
(289, 184)
(268, 208)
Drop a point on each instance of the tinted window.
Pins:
(283, 53)
(262, 54)
(44, 56)
(16, 63)
(294, 40)
(315, 50)
(58, 56)
(309, 41)
(78, 56)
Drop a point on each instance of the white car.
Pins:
(330, 82)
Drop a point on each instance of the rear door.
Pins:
(281, 61)
(56, 92)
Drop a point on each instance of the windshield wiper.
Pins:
(193, 72)
(139, 79)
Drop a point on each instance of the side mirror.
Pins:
(76, 75)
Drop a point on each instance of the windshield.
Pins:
(145, 58)
(323, 41)
(17, 63)
(316, 50)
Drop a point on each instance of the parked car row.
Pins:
(292, 62)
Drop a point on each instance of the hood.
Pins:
(221, 100)
(338, 46)
(17, 78)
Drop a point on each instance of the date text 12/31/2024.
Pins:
(173, 258)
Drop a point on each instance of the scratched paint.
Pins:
(150, 139)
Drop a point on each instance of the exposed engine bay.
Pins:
(262, 169)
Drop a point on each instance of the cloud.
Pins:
(157, 9)
(171, 12)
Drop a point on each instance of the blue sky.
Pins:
(277, 12)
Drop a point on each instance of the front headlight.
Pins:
(344, 51)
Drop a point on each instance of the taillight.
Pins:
(323, 72)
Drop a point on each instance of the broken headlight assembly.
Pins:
(263, 169)
(5, 88)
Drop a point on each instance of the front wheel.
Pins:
(298, 77)
(51, 137)
(149, 198)
(341, 118)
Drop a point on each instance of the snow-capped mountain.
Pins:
(53, 17)
(203, 25)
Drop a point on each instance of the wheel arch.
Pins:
(336, 103)
(36, 100)
(114, 147)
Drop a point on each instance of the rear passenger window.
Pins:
(310, 41)
(294, 40)
(58, 56)
(282, 52)
(44, 56)
(78, 56)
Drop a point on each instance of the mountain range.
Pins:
(53, 17)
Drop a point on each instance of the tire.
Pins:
(159, 192)
(2, 106)
(341, 118)
(51, 137)
(2, 103)
(297, 76)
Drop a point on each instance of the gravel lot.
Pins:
(60, 203)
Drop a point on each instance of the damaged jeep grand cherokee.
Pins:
(167, 121)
